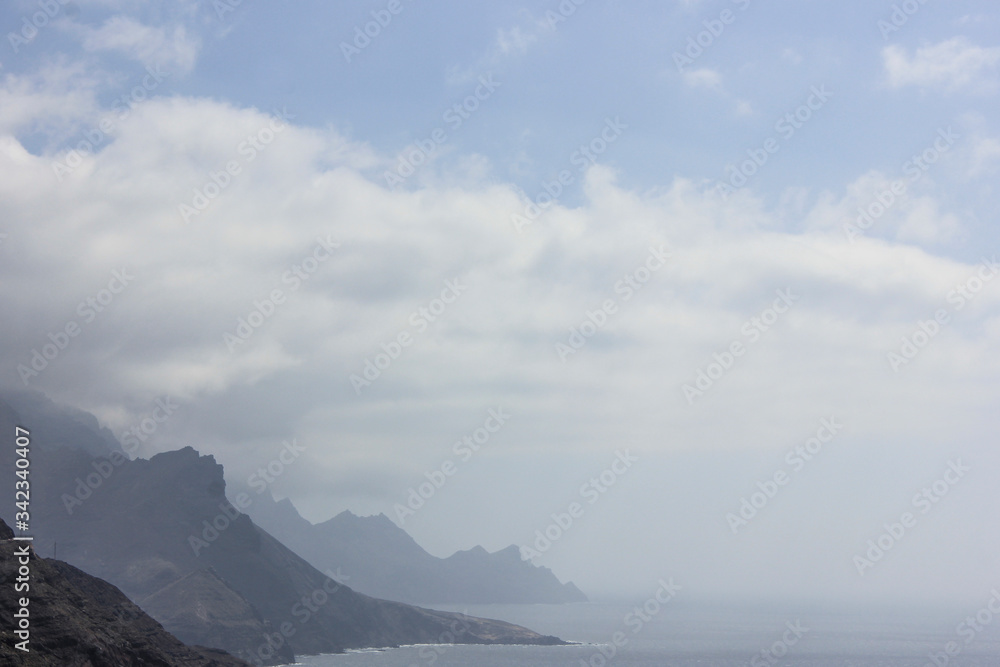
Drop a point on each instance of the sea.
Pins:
(711, 636)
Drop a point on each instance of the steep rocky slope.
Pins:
(146, 525)
(77, 620)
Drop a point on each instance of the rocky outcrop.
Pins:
(146, 525)
(77, 620)
(168, 517)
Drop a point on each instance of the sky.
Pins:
(699, 289)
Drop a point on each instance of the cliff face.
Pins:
(381, 559)
(152, 523)
(163, 531)
(79, 620)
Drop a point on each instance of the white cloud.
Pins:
(152, 46)
(954, 64)
(496, 344)
(924, 223)
(703, 78)
(915, 217)
(514, 41)
(985, 155)
(509, 43)
(53, 101)
(525, 290)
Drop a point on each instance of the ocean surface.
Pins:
(688, 637)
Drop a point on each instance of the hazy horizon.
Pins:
(703, 289)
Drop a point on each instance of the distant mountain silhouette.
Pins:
(77, 620)
(383, 560)
(163, 531)
(55, 425)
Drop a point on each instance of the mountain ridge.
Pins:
(385, 561)
(145, 525)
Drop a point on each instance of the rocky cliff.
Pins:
(164, 532)
(77, 620)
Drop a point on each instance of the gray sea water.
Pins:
(706, 637)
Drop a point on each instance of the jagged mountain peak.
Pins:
(382, 559)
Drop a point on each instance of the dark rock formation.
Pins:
(77, 620)
(160, 529)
